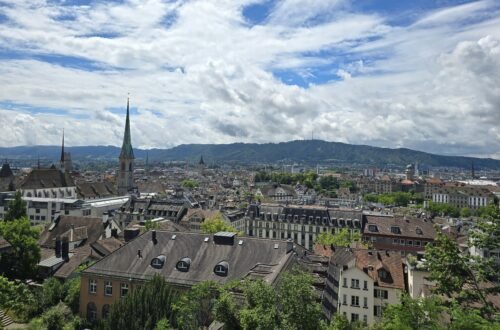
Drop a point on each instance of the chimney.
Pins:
(153, 236)
(289, 245)
(105, 217)
(58, 247)
(139, 254)
(114, 232)
(65, 249)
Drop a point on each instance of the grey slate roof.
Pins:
(40, 178)
(90, 229)
(244, 259)
(127, 152)
(5, 171)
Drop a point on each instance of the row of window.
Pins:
(355, 284)
(108, 288)
(355, 301)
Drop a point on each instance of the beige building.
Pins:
(183, 259)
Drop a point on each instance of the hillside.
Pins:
(311, 151)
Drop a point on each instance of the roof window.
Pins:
(372, 228)
(183, 265)
(222, 268)
(159, 261)
(395, 230)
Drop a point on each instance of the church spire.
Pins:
(62, 149)
(127, 152)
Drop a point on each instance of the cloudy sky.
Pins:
(418, 74)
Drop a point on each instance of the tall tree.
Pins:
(16, 209)
(22, 259)
(194, 308)
(461, 276)
(144, 307)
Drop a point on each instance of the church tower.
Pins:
(65, 163)
(125, 179)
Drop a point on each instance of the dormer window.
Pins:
(222, 268)
(159, 261)
(395, 230)
(372, 228)
(183, 265)
(419, 231)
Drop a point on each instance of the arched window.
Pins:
(105, 311)
(91, 312)
(29, 194)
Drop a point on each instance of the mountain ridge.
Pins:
(308, 151)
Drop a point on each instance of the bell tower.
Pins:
(125, 178)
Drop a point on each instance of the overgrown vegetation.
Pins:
(215, 224)
(395, 199)
(342, 238)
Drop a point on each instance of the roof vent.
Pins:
(240, 242)
(174, 237)
(276, 245)
(206, 239)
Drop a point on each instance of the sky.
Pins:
(416, 74)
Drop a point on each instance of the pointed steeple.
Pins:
(201, 162)
(62, 150)
(127, 151)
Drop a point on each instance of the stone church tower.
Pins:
(125, 178)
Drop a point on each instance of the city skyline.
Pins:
(400, 75)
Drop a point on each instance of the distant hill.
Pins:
(310, 151)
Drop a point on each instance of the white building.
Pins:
(361, 283)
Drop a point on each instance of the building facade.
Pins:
(302, 224)
(361, 283)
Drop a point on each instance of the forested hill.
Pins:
(311, 151)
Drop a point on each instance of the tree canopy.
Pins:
(21, 260)
(16, 208)
(215, 224)
(342, 238)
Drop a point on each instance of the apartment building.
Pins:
(361, 283)
(301, 223)
(406, 235)
(466, 196)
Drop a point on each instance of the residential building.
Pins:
(277, 192)
(183, 259)
(361, 283)
(398, 233)
(301, 223)
(464, 196)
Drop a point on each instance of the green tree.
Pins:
(16, 297)
(16, 208)
(150, 225)
(340, 322)
(299, 308)
(458, 275)
(22, 259)
(465, 212)
(189, 183)
(57, 317)
(215, 224)
(194, 308)
(341, 238)
(291, 305)
(143, 308)
(412, 314)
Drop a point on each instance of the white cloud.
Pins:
(198, 73)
